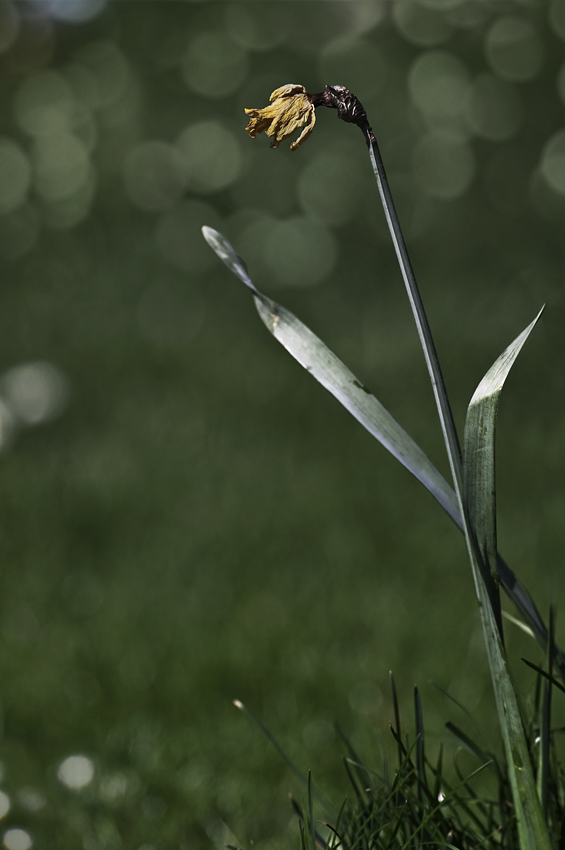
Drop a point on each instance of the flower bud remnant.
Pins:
(291, 107)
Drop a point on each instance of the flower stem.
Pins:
(420, 317)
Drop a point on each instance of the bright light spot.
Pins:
(334, 201)
(211, 156)
(420, 25)
(179, 237)
(9, 24)
(17, 839)
(493, 108)
(75, 11)
(514, 49)
(553, 162)
(213, 65)
(441, 797)
(357, 61)
(76, 772)
(438, 83)
(44, 103)
(15, 175)
(443, 165)
(35, 392)
(4, 804)
(299, 251)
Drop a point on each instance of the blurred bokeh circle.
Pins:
(420, 24)
(553, 161)
(213, 64)
(35, 392)
(514, 48)
(438, 82)
(211, 156)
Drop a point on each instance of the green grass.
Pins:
(205, 523)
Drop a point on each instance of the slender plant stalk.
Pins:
(532, 829)
(420, 317)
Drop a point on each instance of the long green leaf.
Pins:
(479, 453)
(480, 514)
(329, 370)
(337, 378)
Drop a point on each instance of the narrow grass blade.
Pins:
(261, 726)
(487, 759)
(438, 773)
(519, 624)
(311, 811)
(420, 758)
(545, 724)
(464, 709)
(396, 718)
(545, 674)
(317, 839)
(355, 760)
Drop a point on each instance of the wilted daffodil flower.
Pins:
(291, 107)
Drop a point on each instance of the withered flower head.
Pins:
(291, 108)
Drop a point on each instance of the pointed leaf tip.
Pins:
(226, 252)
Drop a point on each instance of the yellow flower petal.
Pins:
(287, 91)
(306, 131)
(290, 109)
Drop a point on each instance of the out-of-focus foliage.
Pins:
(190, 519)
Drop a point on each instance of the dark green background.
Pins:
(204, 522)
